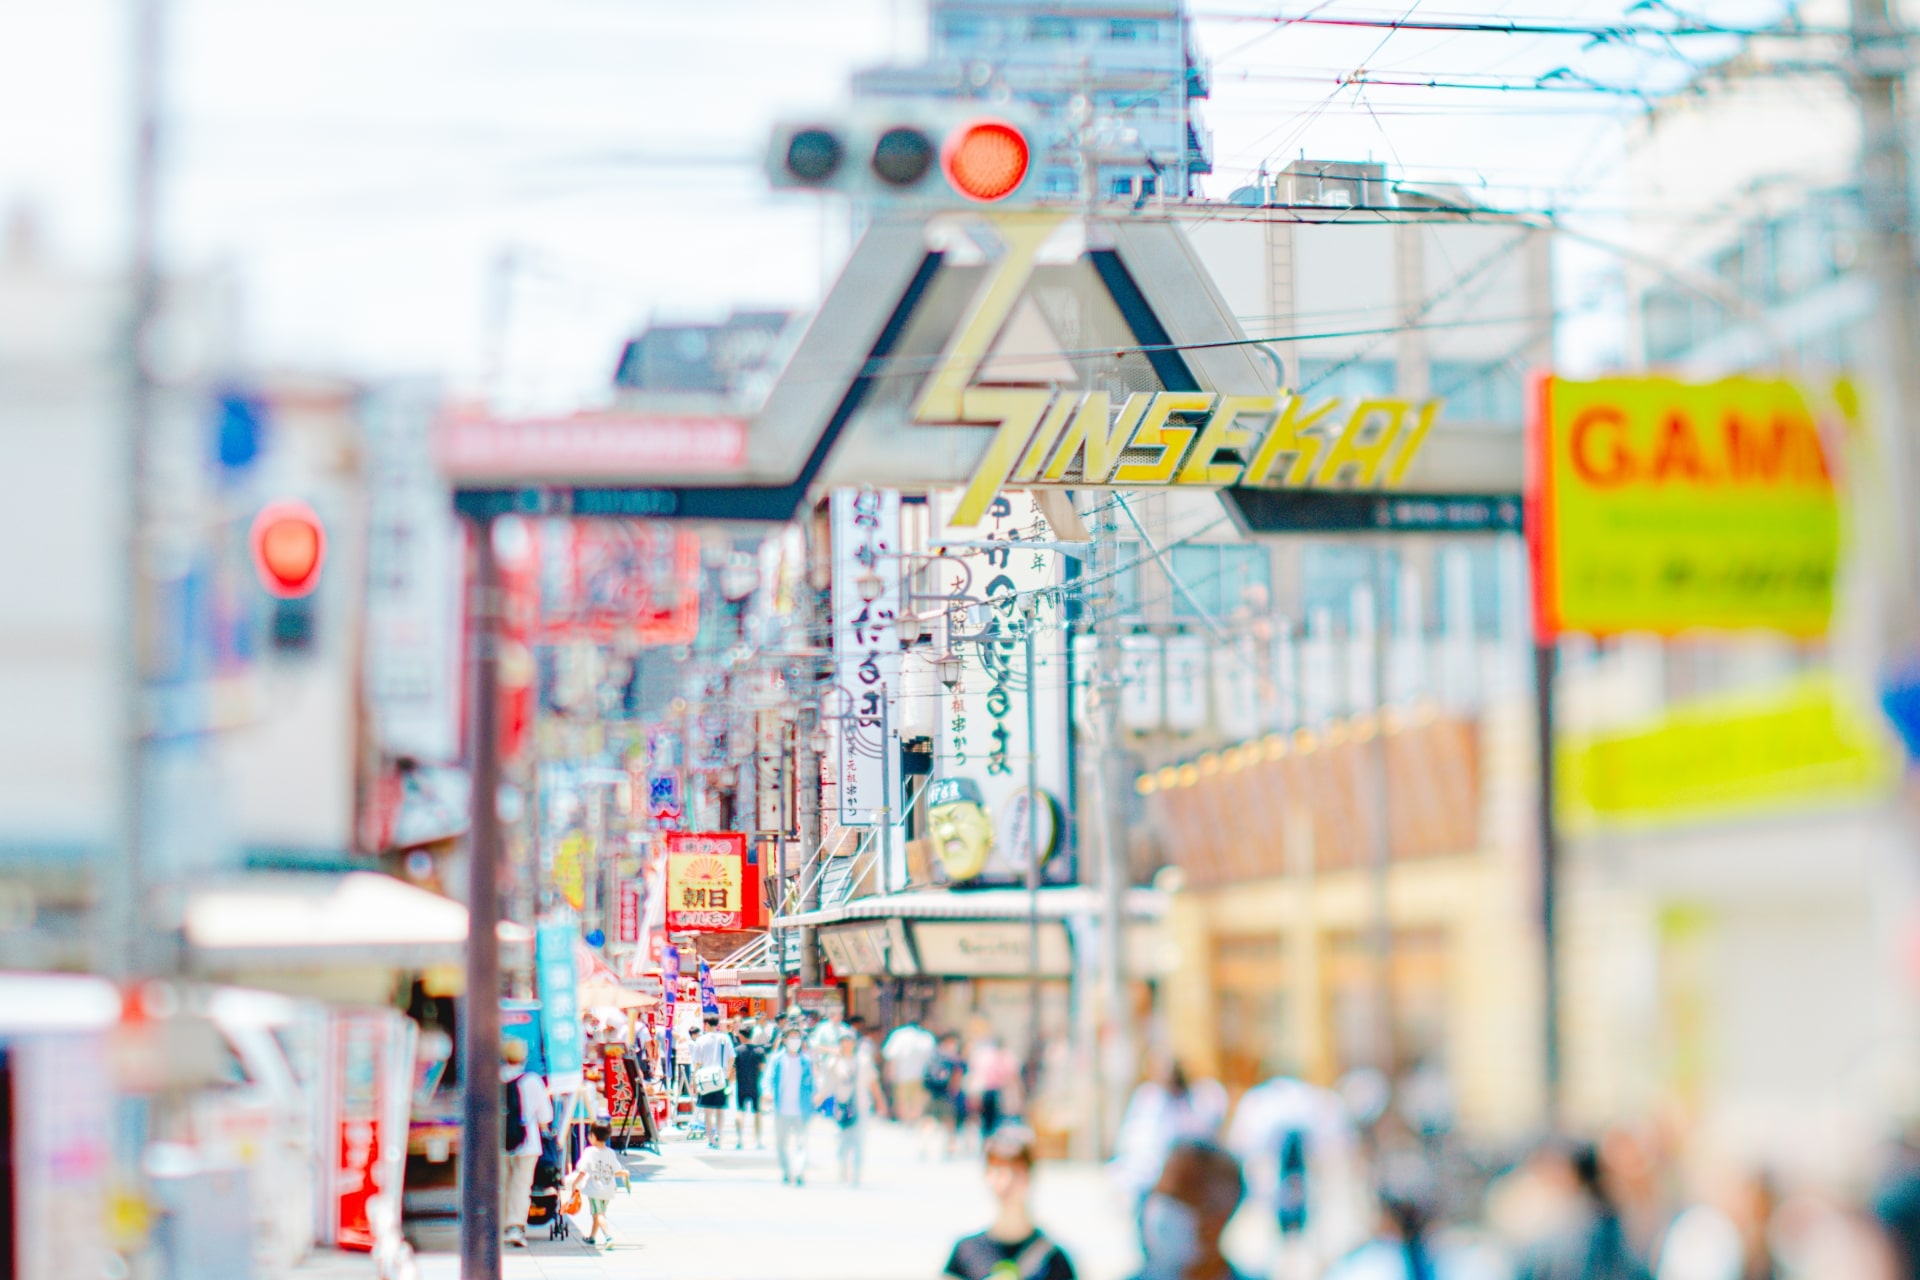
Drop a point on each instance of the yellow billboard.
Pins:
(1660, 505)
(1803, 744)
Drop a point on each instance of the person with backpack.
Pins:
(525, 1110)
(1012, 1248)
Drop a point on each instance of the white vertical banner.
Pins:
(1320, 694)
(1186, 683)
(1142, 700)
(866, 647)
(981, 732)
(1285, 716)
(1236, 689)
(769, 790)
(1363, 624)
(411, 652)
(1459, 649)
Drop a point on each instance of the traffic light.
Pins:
(289, 546)
(956, 157)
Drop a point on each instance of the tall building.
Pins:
(1112, 83)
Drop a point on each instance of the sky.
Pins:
(499, 192)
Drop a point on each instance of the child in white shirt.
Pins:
(598, 1176)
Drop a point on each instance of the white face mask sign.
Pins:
(1170, 1231)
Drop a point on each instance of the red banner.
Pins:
(623, 1097)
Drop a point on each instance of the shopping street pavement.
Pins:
(697, 1214)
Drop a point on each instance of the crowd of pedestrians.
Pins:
(1360, 1182)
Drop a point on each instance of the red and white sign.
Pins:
(585, 446)
(706, 881)
(629, 912)
(370, 1066)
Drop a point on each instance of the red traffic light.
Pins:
(985, 160)
(289, 546)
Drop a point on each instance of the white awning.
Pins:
(304, 921)
(977, 904)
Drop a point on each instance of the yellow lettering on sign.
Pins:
(1223, 432)
(1091, 437)
(1360, 449)
(1290, 434)
(1411, 441)
(1018, 412)
(1050, 429)
(1154, 433)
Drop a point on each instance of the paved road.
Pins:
(696, 1214)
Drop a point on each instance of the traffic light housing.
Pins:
(289, 547)
(953, 157)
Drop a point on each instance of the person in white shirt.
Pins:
(712, 1073)
(529, 1110)
(597, 1176)
(908, 1051)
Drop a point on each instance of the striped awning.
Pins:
(977, 904)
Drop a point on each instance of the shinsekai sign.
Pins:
(1039, 350)
(1660, 505)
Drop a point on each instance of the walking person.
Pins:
(1162, 1111)
(946, 1078)
(712, 1057)
(789, 1081)
(1188, 1210)
(1012, 1248)
(749, 1057)
(854, 1082)
(908, 1051)
(526, 1110)
(992, 1076)
(597, 1176)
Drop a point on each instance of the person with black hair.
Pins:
(1406, 1248)
(1595, 1246)
(1012, 1248)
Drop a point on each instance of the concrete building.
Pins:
(1114, 84)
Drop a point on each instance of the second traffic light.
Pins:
(970, 158)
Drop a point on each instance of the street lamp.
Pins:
(948, 666)
(869, 585)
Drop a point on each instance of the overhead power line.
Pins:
(1513, 27)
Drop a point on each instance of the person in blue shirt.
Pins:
(788, 1085)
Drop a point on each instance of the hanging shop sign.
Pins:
(981, 733)
(629, 928)
(1728, 756)
(991, 948)
(559, 1000)
(866, 646)
(1660, 505)
(706, 881)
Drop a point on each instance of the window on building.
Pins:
(1136, 29)
(963, 28)
(1147, 186)
(1329, 573)
(1061, 182)
(1476, 391)
(1217, 577)
(1346, 379)
(1051, 27)
(1122, 187)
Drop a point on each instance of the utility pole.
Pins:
(1879, 68)
(1116, 1067)
(480, 1120)
(125, 931)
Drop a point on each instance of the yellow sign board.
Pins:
(1660, 505)
(1045, 435)
(1805, 743)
